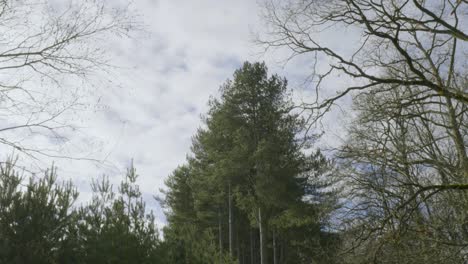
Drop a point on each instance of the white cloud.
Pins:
(150, 107)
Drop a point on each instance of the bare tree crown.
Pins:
(49, 52)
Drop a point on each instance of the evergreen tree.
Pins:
(116, 228)
(247, 176)
(36, 217)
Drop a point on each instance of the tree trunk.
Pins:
(252, 246)
(274, 247)
(282, 253)
(261, 237)
(230, 218)
(238, 252)
(220, 232)
(458, 139)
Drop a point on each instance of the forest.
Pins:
(256, 186)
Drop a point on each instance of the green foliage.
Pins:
(248, 187)
(36, 217)
(179, 197)
(117, 225)
(247, 158)
(187, 245)
(39, 224)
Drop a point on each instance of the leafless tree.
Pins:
(426, 37)
(406, 189)
(48, 55)
(405, 163)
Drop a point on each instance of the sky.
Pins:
(150, 105)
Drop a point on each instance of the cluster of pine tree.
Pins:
(248, 192)
(39, 222)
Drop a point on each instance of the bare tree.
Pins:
(49, 52)
(406, 189)
(405, 164)
(425, 37)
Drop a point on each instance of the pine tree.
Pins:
(247, 175)
(36, 217)
(115, 227)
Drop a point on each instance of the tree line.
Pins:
(248, 193)
(40, 222)
(254, 189)
(394, 191)
(248, 187)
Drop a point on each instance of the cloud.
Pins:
(150, 107)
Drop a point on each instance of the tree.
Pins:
(406, 180)
(264, 130)
(422, 38)
(186, 237)
(118, 229)
(36, 222)
(48, 55)
(247, 177)
(404, 163)
(39, 222)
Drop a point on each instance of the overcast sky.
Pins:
(192, 47)
(151, 105)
